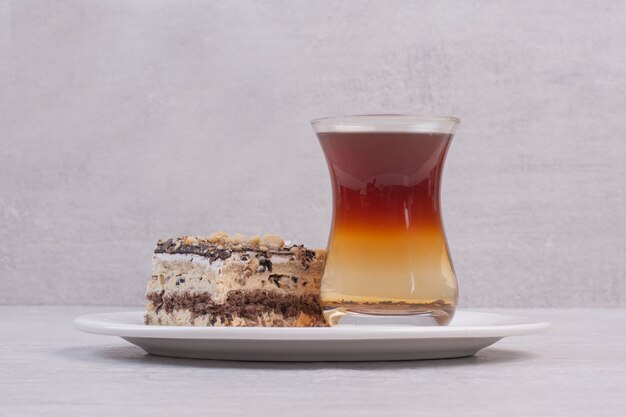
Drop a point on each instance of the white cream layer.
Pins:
(216, 265)
(195, 273)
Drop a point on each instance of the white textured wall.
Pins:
(124, 121)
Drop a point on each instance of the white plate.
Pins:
(468, 333)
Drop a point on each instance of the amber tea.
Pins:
(387, 251)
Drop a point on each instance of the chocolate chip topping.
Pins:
(264, 262)
(275, 279)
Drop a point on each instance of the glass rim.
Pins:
(386, 123)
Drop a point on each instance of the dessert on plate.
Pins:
(226, 280)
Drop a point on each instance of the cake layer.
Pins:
(281, 273)
(242, 303)
(267, 319)
(222, 247)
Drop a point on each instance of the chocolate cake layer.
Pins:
(243, 303)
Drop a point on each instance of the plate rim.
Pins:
(103, 324)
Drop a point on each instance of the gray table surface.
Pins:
(577, 368)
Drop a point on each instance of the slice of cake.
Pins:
(234, 281)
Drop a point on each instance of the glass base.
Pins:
(434, 314)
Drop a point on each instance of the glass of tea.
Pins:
(388, 259)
